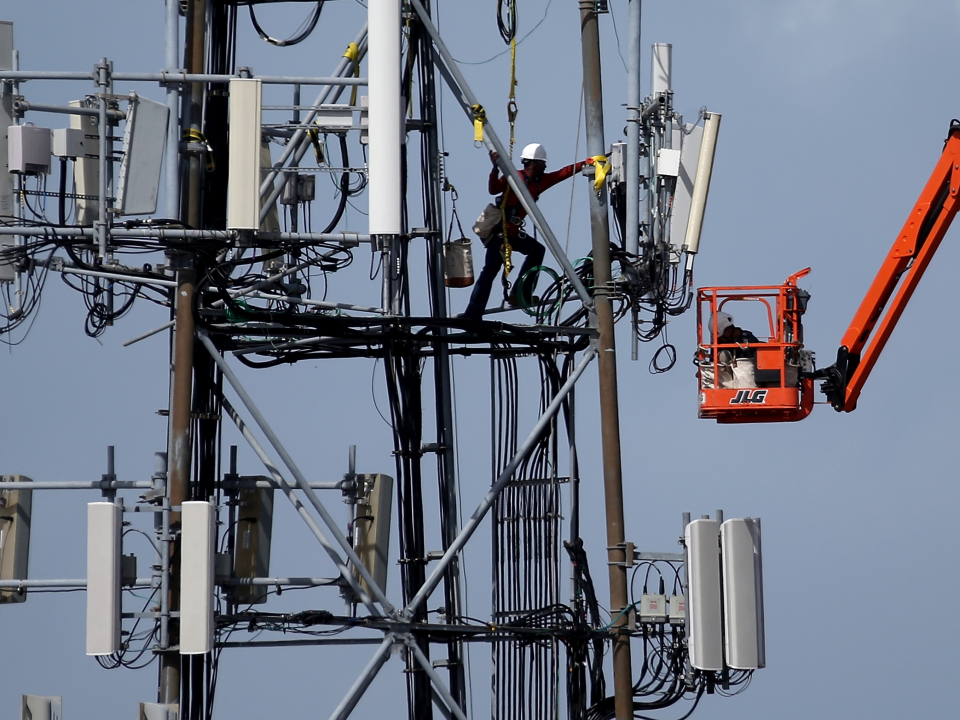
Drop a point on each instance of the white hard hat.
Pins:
(534, 151)
(723, 321)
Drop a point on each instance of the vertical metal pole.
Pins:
(607, 366)
(179, 451)
(172, 150)
(193, 108)
(446, 460)
(574, 468)
(101, 224)
(633, 149)
(633, 129)
(7, 92)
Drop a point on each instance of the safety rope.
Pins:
(506, 250)
(512, 100)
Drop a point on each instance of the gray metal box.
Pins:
(8, 272)
(68, 142)
(29, 149)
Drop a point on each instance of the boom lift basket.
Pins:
(748, 381)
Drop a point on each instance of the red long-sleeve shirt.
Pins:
(512, 208)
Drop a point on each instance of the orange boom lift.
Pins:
(773, 381)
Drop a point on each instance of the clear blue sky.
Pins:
(834, 112)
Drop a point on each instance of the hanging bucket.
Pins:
(457, 263)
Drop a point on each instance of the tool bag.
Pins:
(487, 223)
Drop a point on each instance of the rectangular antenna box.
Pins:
(668, 162)
(68, 142)
(144, 139)
(653, 608)
(705, 639)
(15, 507)
(243, 184)
(251, 557)
(743, 594)
(198, 539)
(104, 525)
(38, 707)
(372, 527)
(86, 167)
(29, 149)
(335, 117)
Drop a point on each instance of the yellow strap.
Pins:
(479, 118)
(315, 141)
(192, 135)
(601, 168)
(353, 55)
(512, 101)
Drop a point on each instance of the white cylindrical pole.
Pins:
(701, 184)
(661, 68)
(383, 72)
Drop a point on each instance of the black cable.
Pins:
(308, 26)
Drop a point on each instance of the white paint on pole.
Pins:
(386, 132)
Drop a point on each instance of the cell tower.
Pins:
(194, 187)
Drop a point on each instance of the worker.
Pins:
(535, 177)
(728, 334)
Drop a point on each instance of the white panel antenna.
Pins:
(701, 183)
(144, 139)
(243, 185)
(38, 707)
(197, 542)
(15, 509)
(662, 68)
(689, 156)
(704, 633)
(743, 594)
(374, 507)
(104, 524)
(86, 169)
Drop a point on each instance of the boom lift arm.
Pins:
(898, 277)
